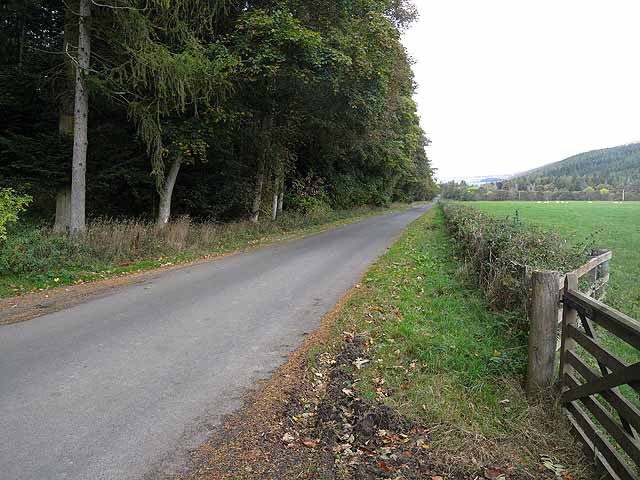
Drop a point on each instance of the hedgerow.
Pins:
(498, 252)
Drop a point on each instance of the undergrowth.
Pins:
(498, 251)
(34, 257)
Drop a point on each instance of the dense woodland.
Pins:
(614, 168)
(217, 109)
(607, 174)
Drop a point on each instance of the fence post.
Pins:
(592, 276)
(543, 322)
(602, 275)
(569, 317)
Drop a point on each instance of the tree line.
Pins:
(219, 109)
(602, 171)
(606, 174)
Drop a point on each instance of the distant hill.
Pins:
(609, 168)
(477, 180)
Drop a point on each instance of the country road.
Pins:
(122, 387)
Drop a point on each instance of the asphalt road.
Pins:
(122, 387)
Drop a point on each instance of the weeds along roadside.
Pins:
(33, 257)
(440, 356)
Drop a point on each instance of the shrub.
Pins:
(11, 204)
(349, 191)
(308, 197)
(35, 249)
(498, 253)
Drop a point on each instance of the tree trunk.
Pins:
(65, 119)
(164, 207)
(63, 210)
(257, 196)
(265, 145)
(79, 165)
(274, 205)
(281, 195)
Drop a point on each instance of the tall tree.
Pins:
(80, 123)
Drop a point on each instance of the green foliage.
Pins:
(11, 204)
(497, 252)
(35, 250)
(300, 87)
(611, 227)
(307, 196)
(457, 191)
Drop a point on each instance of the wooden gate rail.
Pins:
(597, 268)
(597, 423)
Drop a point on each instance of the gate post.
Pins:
(543, 324)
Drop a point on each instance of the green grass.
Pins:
(446, 359)
(615, 226)
(34, 259)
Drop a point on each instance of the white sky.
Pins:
(507, 85)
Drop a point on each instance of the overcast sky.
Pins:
(507, 85)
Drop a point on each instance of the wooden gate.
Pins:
(605, 417)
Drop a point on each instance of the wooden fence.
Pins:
(601, 412)
(611, 427)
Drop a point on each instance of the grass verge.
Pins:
(35, 259)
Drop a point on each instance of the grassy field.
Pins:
(611, 225)
(615, 226)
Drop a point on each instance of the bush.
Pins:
(39, 253)
(308, 197)
(349, 191)
(499, 251)
(11, 204)
(34, 249)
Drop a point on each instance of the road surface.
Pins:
(122, 387)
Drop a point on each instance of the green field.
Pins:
(615, 226)
(611, 225)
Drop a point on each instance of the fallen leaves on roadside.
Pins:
(310, 443)
(550, 464)
(494, 474)
(359, 362)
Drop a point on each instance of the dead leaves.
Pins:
(494, 474)
(359, 362)
(310, 443)
(560, 471)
